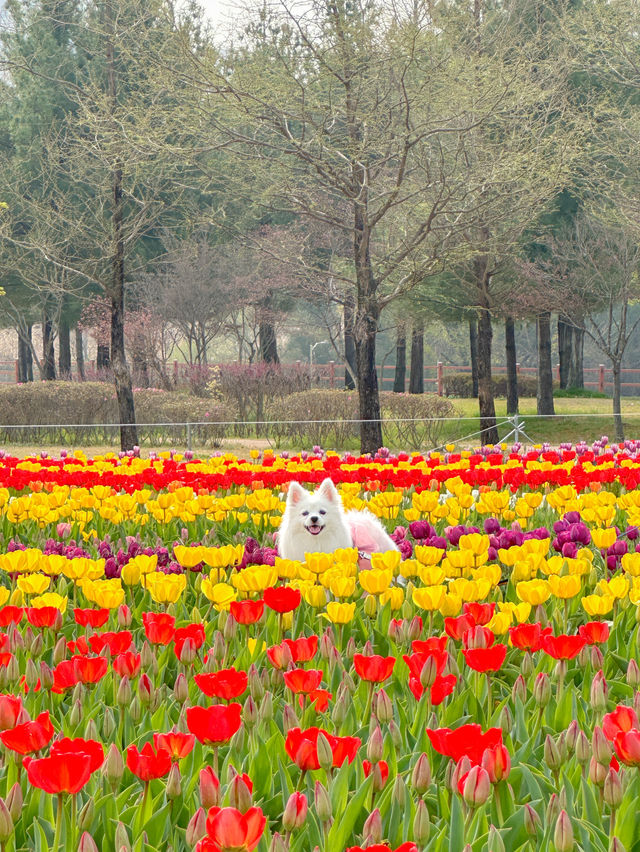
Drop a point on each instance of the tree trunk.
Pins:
(368, 391)
(473, 348)
(416, 373)
(565, 340)
(351, 369)
(103, 357)
(576, 361)
(617, 410)
(268, 343)
(545, 368)
(121, 372)
(64, 348)
(512, 373)
(80, 354)
(486, 402)
(400, 375)
(48, 351)
(25, 357)
(29, 353)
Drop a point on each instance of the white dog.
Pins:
(318, 523)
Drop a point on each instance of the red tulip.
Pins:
(10, 710)
(442, 686)
(43, 616)
(247, 612)
(383, 847)
(90, 669)
(148, 764)
(436, 644)
(486, 659)
(466, 740)
(481, 613)
(344, 748)
(457, 627)
(214, 724)
(295, 812)
(64, 676)
(301, 680)
(30, 736)
(178, 745)
(384, 769)
(127, 664)
(302, 747)
(497, 761)
(594, 632)
(226, 683)
(232, 830)
(280, 656)
(282, 599)
(194, 632)
(78, 646)
(302, 649)
(416, 662)
(619, 721)
(159, 627)
(318, 699)
(563, 647)
(117, 642)
(92, 748)
(91, 617)
(627, 746)
(474, 786)
(478, 637)
(528, 637)
(59, 773)
(375, 668)
(10, 615)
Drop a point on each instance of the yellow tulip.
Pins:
(477, 543)
(319, 562)
(130, 573)
(340, 613)
(342, 587)
(617, 587)
(33, 584)
(534, 592)
(255, 578)
(470, 590)
(315, 596)
(565, 587)
(631, 564)
(500, 622)
(427, 555)
(597, 604)
(431, 575)
(4, 595)
(287, 568)
(518, 612)
(387, 561)
(105, 595)
(252, 644)
(145, 564)
(346, 554)
(603, 538)
(393, 596)
(188, 557)
(50, 599)
(375, 581)
(220, 594)
(429, 598)
(450, 605)
(409, 568)
(165, 588)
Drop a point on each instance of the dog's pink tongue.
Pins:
(314, 529)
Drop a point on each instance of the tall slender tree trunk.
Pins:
(617, 401)
(416, 373)
(565, 341)
(25, 356)
(121, 372)
(576, 361)
(64, 348)
(351, 368)
(366, 330)
(80, 354)
(473, 351)
(512, 372)
(48, 351)
(486, 402)
(103, 357)
(400, 375)
(268, 343)
(545, 367)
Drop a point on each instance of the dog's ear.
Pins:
(328, 491)
(296, 493)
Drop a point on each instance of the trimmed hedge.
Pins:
(461, 385)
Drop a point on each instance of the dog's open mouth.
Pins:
(314, 529)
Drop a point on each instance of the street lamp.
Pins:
(312, 347)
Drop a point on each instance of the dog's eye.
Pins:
(304, 514)
(322, 512)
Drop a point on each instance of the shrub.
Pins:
(75, 412)
(461, 385)
(578, 393)
(248, 387)
(323, 416)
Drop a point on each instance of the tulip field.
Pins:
(168, 682)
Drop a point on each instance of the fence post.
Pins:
(17, 371)
(332, 374)
(558, 373)
(175, 372)
(440, 376)
(517, 368)
(189, 436)
(601, 378)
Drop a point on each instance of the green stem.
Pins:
(215, 761)
(367, 712)
(74, 818)
(56, 836)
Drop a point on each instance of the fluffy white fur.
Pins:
(318, 523)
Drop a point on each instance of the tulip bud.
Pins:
(563, 834)
(597, 657)
(14, 802)
(147, 655)
(173, 789)
(452, 666)
(506, 720)
(421, 825)
(526, 664)
(230, 629)
(400, 791)
(31, 674)
(375, 746)
(421, 775)
(36, 646)
(519, 689)
(256, 689)
(415, 628)
(60, 651)
(145, 690)
(612, 789)
(553, 809)
(429, 673)
(91, 731)
(583, 748)
(551, 754)
(601, 746)
(633, 673)
(236, 743)
(122, 838)
(265, 713)
(13, 670)
(462, 767)
(240, 795)
(75, 716)
(597, 772)
(383, 708)
(209, 788)
(322, 802)
(599, 691)
(87, 843)
(348, 683)
(396, 734)
(636, 700)
(616, 845)
(85, 817)
(326, 645)
(562, 746)
(219, 647)
(295, 812)
(542, 689)
(6, 823)
(398, 631)
(325, 755)
(476, 787)
(350, 649)
(495, 841)
(289, 719)
(278, 844)
(197, 827)
(113, 767)
(124, 617)
(497, 762)
(532, 821)
(372, 829)
(370, 607)
(135, 709)
(562, 799)
(572, 736)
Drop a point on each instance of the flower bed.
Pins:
(169, 682)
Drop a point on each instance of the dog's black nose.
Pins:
(314, 519)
